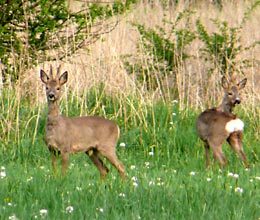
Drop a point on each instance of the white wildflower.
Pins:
(2, 174)
(132, 167)
(173, 114)
(29, 179)
(171, 122)
(239, 190)
(122, 195)
(135, 184)
(151, 183)
(43, 212)
(134, 178)
(69, 209)
(208, 179)
(231, 174)
(13, 217)
(2, 168)
(151, 153)
(122, 145)
(257, 177)
(78, 188)
(192, 173)
(160, 183)
(236, 176)
(100, 210)
(147, 164)
(71, 165)
(174, 101)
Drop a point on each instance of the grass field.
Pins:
(163, 157)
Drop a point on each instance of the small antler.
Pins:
(233, 78)
(51, 72)
(58, 71)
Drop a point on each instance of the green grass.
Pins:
(159, 186)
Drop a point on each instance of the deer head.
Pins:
(231, 93)
(53, 84)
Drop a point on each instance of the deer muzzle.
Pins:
(51, 96)
(237, 101)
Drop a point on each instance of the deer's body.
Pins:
(216, 125)
(89, 134)
(83, 132)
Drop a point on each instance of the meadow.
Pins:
(164, 160)
(155, 99)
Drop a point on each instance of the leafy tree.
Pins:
(32, 30)
(223, 47)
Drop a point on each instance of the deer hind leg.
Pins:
(54, 162)
(206, 146)
(235, 141)
(112, 157)
(218, 153)
(98, 163)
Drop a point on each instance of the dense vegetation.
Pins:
(163, 157)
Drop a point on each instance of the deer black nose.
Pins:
(237, 101)
(51, 96)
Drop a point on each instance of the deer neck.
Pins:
(226, 106)
(54, 111)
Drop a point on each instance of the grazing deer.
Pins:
(92, 135)
(216, 125)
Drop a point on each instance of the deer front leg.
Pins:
(54, 154)
(64, 162)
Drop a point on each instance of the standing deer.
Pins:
(216, 125)
(92, 135)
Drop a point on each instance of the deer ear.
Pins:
(44, 77)
(63, 78)
(242, 83)
(224, 82)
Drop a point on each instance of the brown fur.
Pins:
(211, 125)
(90, 134)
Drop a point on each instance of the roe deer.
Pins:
(92, 135)
(216, 125)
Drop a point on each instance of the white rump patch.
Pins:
(234, 125)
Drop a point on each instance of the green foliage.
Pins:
(31, 29)
(222, 48)
(166, 51)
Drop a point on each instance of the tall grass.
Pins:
(163, 157)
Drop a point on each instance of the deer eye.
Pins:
(47, 87)
(58, 88)
(230, 93)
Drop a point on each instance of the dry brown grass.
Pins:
(103, 61)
